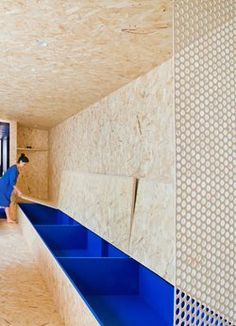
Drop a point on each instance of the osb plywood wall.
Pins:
(36, 138)
(102, 203)
(128, 133)
(33, 180)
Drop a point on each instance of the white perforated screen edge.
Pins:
(205, 134)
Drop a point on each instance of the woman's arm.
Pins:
(13, 179)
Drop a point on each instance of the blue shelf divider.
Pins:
(118, 290)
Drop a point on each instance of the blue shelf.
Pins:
(44, 215)
(123, 292)
(118, 290)
(76, 241)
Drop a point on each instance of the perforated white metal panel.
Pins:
(205, 131)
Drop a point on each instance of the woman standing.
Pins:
(8, 185)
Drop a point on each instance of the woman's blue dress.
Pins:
(7, 183)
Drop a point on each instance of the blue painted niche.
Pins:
(118, 290)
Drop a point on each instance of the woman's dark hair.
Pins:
(23, 158)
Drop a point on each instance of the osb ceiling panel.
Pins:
(58, 57)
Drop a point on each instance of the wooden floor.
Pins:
(24, 298)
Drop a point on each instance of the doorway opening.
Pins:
(4, 147)
(4, 153)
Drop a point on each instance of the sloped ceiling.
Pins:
(58, 57)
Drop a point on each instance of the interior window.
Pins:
(4, 147)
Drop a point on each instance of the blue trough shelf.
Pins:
(118, 290)
(44, 215)
(76, 241)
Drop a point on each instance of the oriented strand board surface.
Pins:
(71, 306)
(130, 132)
(100, 202)
(59, 57)
(153, 231)
(33, 180)
(24, 298)
(36, 138)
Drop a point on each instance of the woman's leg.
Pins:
(9, 219)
